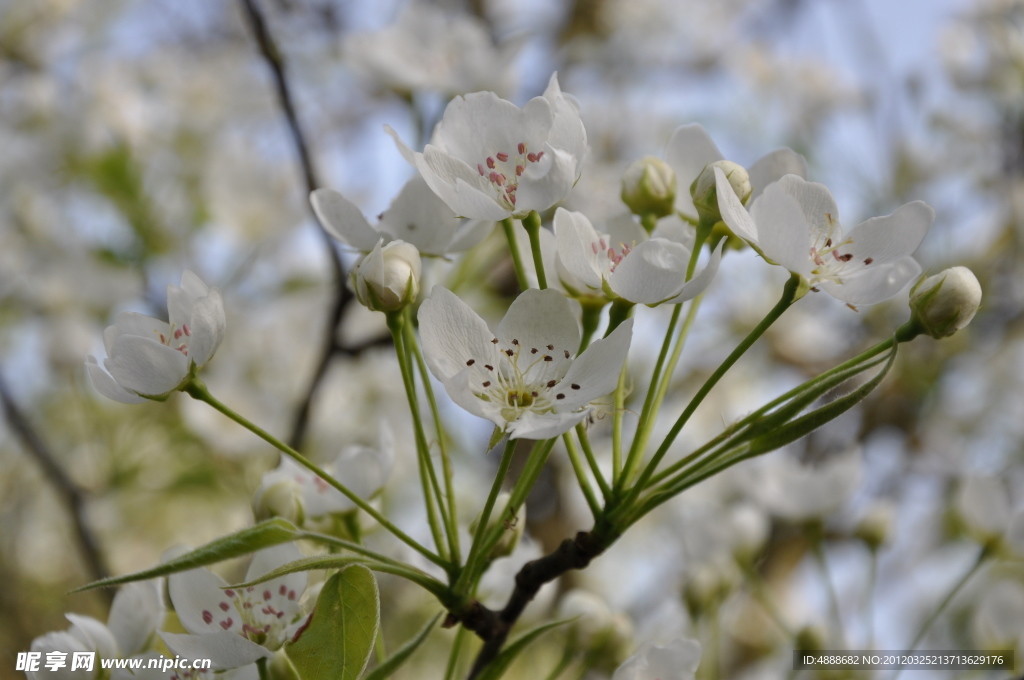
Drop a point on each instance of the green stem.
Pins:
(818, 547)
(453, 655)
(517, 261)
(532, 225)
(428, 476)
(198, 390)
(620, 410)
(581, 475)
(591, 320)
(452, 517)
(763, 597)
(477, 556)
(588, 451)
(567, 657)
(261, 667)
(788, 297)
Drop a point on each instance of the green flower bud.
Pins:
(945, 303)
(387, 278)
(649, 187)
(705, 193)
(282, 498)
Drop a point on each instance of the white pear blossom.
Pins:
(428, 48)
(691, 149)
(795, 223)
(387, 278)
(148, 358)
(236, 626)
(363, 469)
(416, 216)
(134, 616)
(630, 266)
(489, 159)
(677, 660)
(526, 378)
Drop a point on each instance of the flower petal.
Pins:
(547, 181)
(146, 366)
(783, 233)
(343, 220)
(201, 603)
(207, 327)
(224, 650)
(134, 615)
(419, 217)
(699, 283)
(773, 167)
(532, 425)
(567, 131)
(452, 334)
(482, 123)
(94, 634)
(819, 207)
(597, 370)
(133, 323)
(107, 386)
(733, 213)
(461, 188)
(652, 272)
(689, 150)
(539, 318)
(892, 236)
(873, 284)
(285, 590)
(576, 241)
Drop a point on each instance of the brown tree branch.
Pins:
(69, 493)
(330, 347)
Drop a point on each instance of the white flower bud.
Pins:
(649, 187)
(387, 278)
(875, 527)
(705, 194)
(281, 498)
(945, 303)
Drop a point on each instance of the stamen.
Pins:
(519, 170)
(522, 148)
(552, 383)
(490, 163)
(224, 606)
(547, 357)
(559, 396)
(551, 347)
(480, 169)
(869, 260)
(489, 367)
(502, 156)
(574, 386)
(471, 362)
(487, 383)
(207, 617)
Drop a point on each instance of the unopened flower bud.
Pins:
(705, 193)
(512, 525)
(387, 278)
(649, 187)
(945, 303)
(282, 498)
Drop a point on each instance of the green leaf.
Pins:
(497, 668)
(263, 535)
(395, 661)
(336, 641)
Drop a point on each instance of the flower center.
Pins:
(261, 611)
(830, 263)
(521, 379)
(602, 245)
(174, 340)
(503, 170)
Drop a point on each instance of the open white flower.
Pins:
(677, 660)
(148, 358)
(416, 216)
(526, 378)
(691, 149)
(628, 265)
(235, 627)
(795, 223)
(428, 48)
(489, 159)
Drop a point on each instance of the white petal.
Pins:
(408, 154)
(875, 283)
(699, 283)
(145, 366)
(673, 228)
(689, 150)
(452, 334)
(547, 181)
(783, 233)
(678, 660)
(342, 219)
(224, 650)
(733, 213)
(538, 318)
(207, 327)
(107, 386)
(773, 167)
(653, 272)
(481, 124)
(192, 285)
(94, 634)
(199, 594)
(817, 204)
(133, 323)
(575, 237)
(567, 131)
(597, 370)
(893, 236)
(470, 233)
(460, 187)
(285, 590)
(419, 217)
(134, 615)
(532, 425)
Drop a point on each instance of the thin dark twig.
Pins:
(275, 62)
(66, 489)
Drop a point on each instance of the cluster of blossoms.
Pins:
(539, 374)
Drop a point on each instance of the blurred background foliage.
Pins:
(144, 137)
